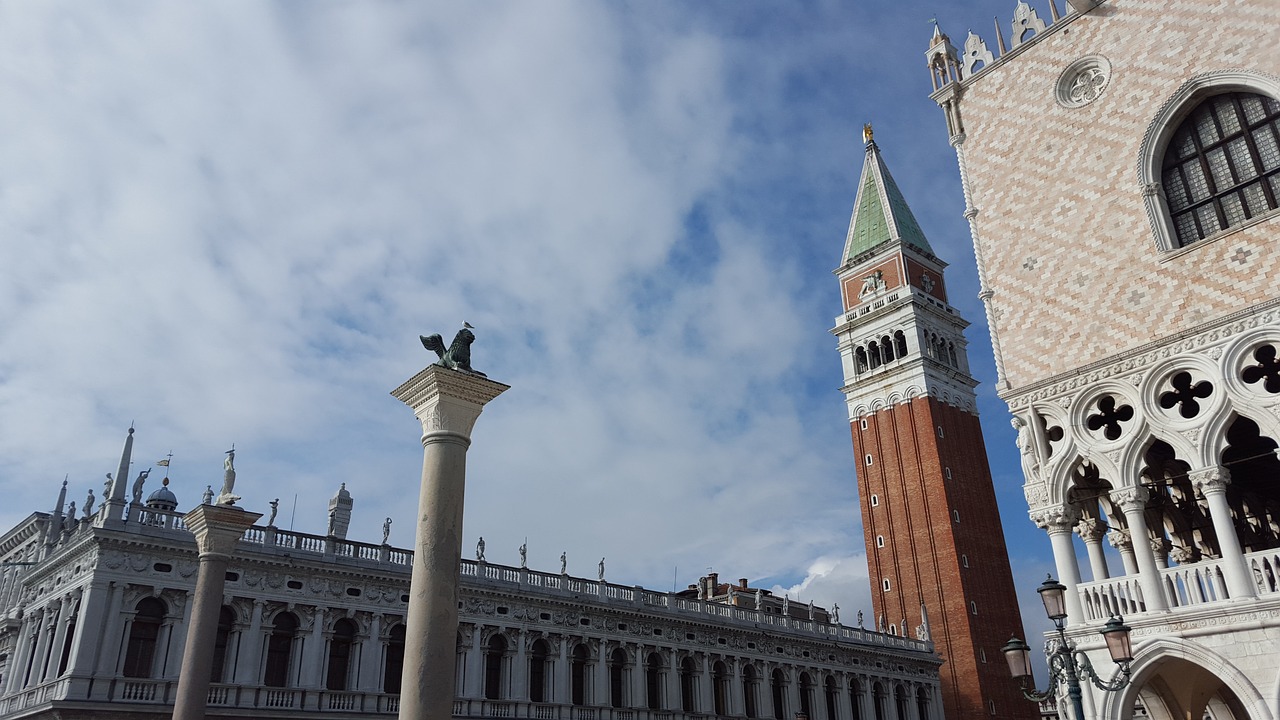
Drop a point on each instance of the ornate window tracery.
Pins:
(1222, 165)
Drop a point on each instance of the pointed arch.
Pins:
(1167, 120)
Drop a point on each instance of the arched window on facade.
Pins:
(832, 697)
(873, 353)
(653, 681)
(226, 621)
(495, 653)
(922, 704)
(806, 695)
(578, 675)
(280, 650)
(617, 667)
(880, 701)
(140, 652)
(951, 355)
(750, 688)
(64, 657)
(394, 666)
(779, 691)
(901, 702)
(687, 671)
(720, 688)
(886, 348)
(1222, 165)
(900, 342)
(344, 636)
(538, 671)
(856, 691)
(860, 357)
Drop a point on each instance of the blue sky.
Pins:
(228, 222)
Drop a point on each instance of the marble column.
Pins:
(1091, 531)
(313, 653)
(44, 630)
(473, 685)
(1212, 484)
(1122, 541)
(1058, 522)
(18, 658)
(1133, 501)
(447, 403)
(217, 529)
(85, 644)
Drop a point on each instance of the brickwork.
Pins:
(1040, 173)
(929, 468)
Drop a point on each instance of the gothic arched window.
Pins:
(140, 653)
(1222, 165)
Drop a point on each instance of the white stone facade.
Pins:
(1135, 339)
(96, 627)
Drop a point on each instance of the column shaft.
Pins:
(197, 658)
(1233, 564)
(1134, 507)
(1064, 559)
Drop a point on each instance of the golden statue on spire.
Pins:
(867, 133)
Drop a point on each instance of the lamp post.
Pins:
(1067, 664)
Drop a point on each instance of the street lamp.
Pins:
(1066, 663)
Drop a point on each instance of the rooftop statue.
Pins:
(458, 355)
(227, 495)
(137, 485)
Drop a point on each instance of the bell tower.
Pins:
(936, 554)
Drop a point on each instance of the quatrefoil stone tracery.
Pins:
(1083, 82)
(1108, 417)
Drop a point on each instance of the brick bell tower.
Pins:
(936, 554)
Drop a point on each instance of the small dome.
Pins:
(163, 498)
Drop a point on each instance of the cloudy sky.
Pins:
(229, 222)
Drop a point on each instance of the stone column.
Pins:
(1133, 501)
(85, 645)
(1161, 547)
(110, 643)
(1091, 532)
(313, 653)
(1212, 483)
(674, 699)
(217, 529)
(177, 639)
(519, 669)
(59, 639)
(447, 403)
(473, 685)
(1058, 522)
(44, 629)
(1122, 541)
(17, 659)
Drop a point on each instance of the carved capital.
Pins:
(1210, 480)
(1091, 529)
(1161, 546)
(218, 527)
(1056, 520)
(447, 401)
(1120, 539)
(1130, 498)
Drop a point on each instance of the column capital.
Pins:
(1056, 519)
(1091, 529)
(218, 527)
(1130, 498)
(1211, 479)
(1120, 538)
(447, 401)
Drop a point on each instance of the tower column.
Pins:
(1212, 483)
(217, 529)
(1058, 522)
(447, 403)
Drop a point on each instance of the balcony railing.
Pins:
(1191, 585)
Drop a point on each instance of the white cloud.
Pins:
(229, 222)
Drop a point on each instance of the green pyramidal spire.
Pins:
(880, 213)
